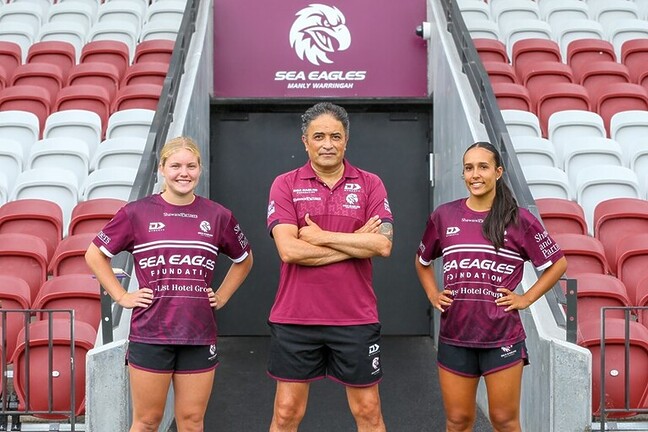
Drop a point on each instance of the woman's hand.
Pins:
(511, 301)
(441, 300)
(215, 300)
(143, 297)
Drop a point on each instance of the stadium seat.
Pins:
(63, 31)
(80, 292)
(171, 11)
(21, 126)
(582, 52)
(21, 35)
(560, 97)
(53, 184)
(619, 97)
(94, 5)
(537, 76)
(33, 99)
(115, 31)
(478, 29)
(526, 52)
(608, 12)
(565, 126)
(14, 294)
(11, 160)
(616, 218)
(498, 72)
(104, 75)
(629, 128)
(598, 75)
(621, 31)
(78, 124)
(561, 216)
(122, 12)
(29, 216)
(58, 53)
(119, 152)
(5, 190)
(40, 372)
(92, 215)
(129, 123)
(584, 253)
(24, 256)
(595, 291)
(511, 97)
(107, 51)
(632, 261)
(524, 29)
(474, 9)
(68, 153)
(10, 57)
(531, 150)
(46, 76)
(85, 97)
(69, 256)
(109, 183)
(642, 301)
(559, 11)
(589, 336)
(634, 54)
(160, 50)
(22, 13)
(155, 73)
(547, 182)
(602, 182)
(521, 123)
(585, 152)
(643, 8)
(568, 31)
(78, 12)
(143, 96)
(168, 29)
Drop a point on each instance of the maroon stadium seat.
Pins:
(616, 218)
(28, 98)
(491, 50)
(500, 72)
(86, 97)
(58, 53)
(80, 292)
(634, 54)
(137, 96)
(585, 254)
(620, 97)
(69, 256)
(562, 216)
(632, 262)
(106, 51)
(527, 52)
(596, 76)
(538, 76)
(512, 96)
(10, 56)
(24, 256)
(560, 97)
(595, 291)
(95, 73)
(14, 294)
(92, 215)
(145, 73)
(154, 50)
(43, 75)
(581, 52)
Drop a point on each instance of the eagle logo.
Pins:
(318, 31)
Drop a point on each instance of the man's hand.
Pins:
(310, 232)
(371, 226)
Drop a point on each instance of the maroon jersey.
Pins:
(334, 294)
(174, 251)
(473, 270)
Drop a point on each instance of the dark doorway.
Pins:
(251, 145)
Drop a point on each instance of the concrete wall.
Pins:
(557, 385)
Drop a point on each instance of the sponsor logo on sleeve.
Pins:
(386, 204)
(271, 208)
(103, 237)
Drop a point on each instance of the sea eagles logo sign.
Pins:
(318, 31)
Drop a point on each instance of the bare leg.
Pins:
(192, 392)
(149, 392)
(364, 403)
(459, 394)
(290, 406)
(504, 389)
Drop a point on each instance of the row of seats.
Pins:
(74, 22)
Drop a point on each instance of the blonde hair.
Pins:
(174, 145)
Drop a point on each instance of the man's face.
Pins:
(325, 142)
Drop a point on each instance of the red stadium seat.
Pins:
(95, 73)
(595, 291)
(561, 97)
(642, 300)
(582, 52)
(42, 75)
(40, 373)
(488, 49)
(137, 96)
(536, 77)
(58, 53)
(616, 218)
(80, 292)
(500, 72)
(596, 76)
(85, 97)
(634, 54)
(632, 262)
(148, 73)
(14, 294)
(92, 215)
(527, 52)
(512, 96)
(620, 97)
(10, 56)
(24, 256)
(155, 50)
(585, 254)
(562, 216)
(33, 99)
(29, 216)
(589, 336)
(106, 51)
(69, 257)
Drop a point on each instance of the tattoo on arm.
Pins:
(387, 229)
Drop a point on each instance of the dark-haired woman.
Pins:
(484, 240)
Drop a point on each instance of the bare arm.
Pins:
(101, 267)
(438, 299)
(231, 282)
(359, 244)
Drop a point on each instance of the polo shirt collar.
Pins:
(307, 172)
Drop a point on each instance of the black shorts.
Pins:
(475, 362)
(305, 353)
(172, 358)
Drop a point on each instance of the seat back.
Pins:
(521, 123)
(119, 152)
(532, 150)
(24, 256)
(596, 291)
(69, 256)
(547, 182)
(560, 97)
(565, 126)
(109, 183)
(58, 53)
(584, 152)
(83, 125)
(582, 52)
(632, 261)
(92, 215)
(21, 126)
(140, 96)
(69, 153)
(561, 216)
(130, 123)
(584, 253)
(79, 292)
(107, 51)
(33, 99)
(14, 294)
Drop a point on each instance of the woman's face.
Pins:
(181, 171)
(480, 172)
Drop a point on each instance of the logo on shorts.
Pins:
(375, 364)
(212, 352)
(374, 349)
(507, 351)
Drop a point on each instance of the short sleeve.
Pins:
(233, 242)
(378, 203)
(429, 248)
(117, 235)
(280, 205)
